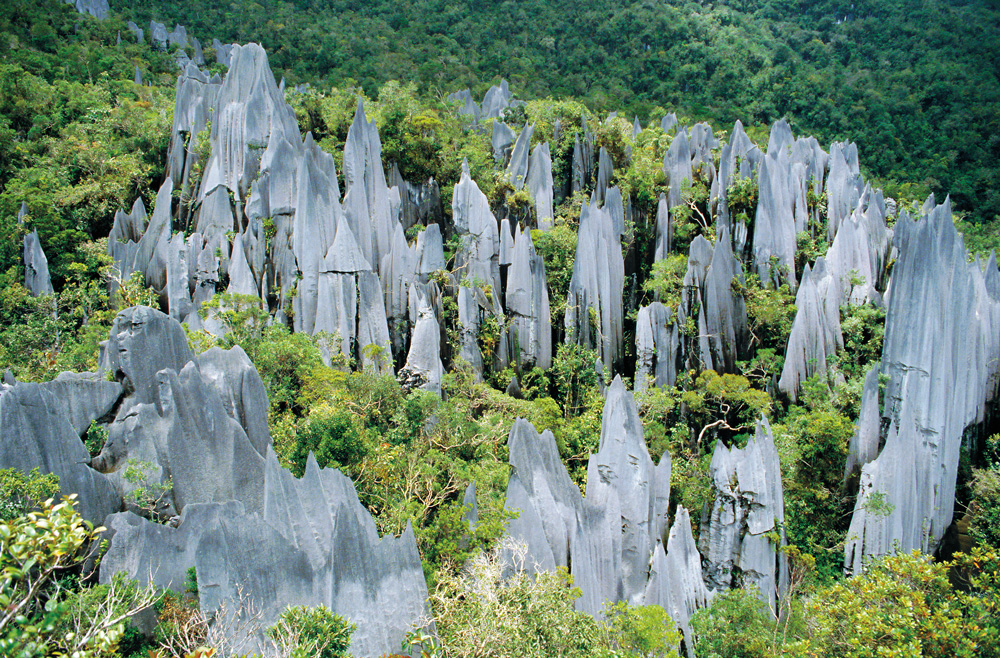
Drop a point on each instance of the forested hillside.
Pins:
(359, 344)
(914, 84)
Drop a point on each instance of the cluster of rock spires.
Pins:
(268, 220)
(941, 355)
(259, 539)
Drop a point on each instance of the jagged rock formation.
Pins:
(675, 577)
(540, 185)
(260, 539)
(864, 443)
(719, 312)
(815, 336)
(97, 8)
(136, 30)
(311, 543)
(596, 286)
(656, 346)
(527, 303)
(748, 506)
(940, 353)
(611, 537)
(859, 254)
(36, 267)
(41, 427)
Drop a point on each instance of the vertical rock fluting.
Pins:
(815, 336)
(594, 310)
(527, 305)
(613, 539)
(940, 354)
(748, 507)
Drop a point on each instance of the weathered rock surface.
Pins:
(39, 429)
(815, 336)
(748, 506)
(864, 443)
(310, 543)
(940, 353)
(97, 8)
(597, 283)
(656, 345)
(675, 578)
(36, 267)
(540, 186)
(527, 305)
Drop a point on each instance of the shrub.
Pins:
(315, 632)
(334, 436)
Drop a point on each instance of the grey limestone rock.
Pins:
(864, 443)
(39, 428)
(190, 438)
(748, 505)
(310, 543)
(668, 122)
(97, 8)
(940, 354)
(364, 179)
(527, 304)
(597, 283)
(656, 345)
(496, 100)
(471, 301)
(158, 35)
(815, 336)
(36, 267)
(541, 489)
(774, 226)
(136, 30)
(676, 582)
(374, 347)
(677, 166)
(144, 341)
(622, 471)
(739, 160)
(843, 185)
(517, 168)
(860, 253)
(424, 358)
(241, 389)
(223, 52)
(506, 242)
(178, 38)
(467, 106)
(502, 139)
(664, 230)
(479, 251)
(605, 171)
(540, 185)
(513, 388)
(725, 310)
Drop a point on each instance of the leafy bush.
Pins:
(735, 625)
(334, 436)
(315, 632)
(21, 492)
(902, 605)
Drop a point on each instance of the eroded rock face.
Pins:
(940, 352)
(39, 429)
(36, 267)
(748, 506)
(596, 286)
(656, 347)
(310, 543)
(675, 577)
(612, 540)
(527, 303)
(815, 336)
